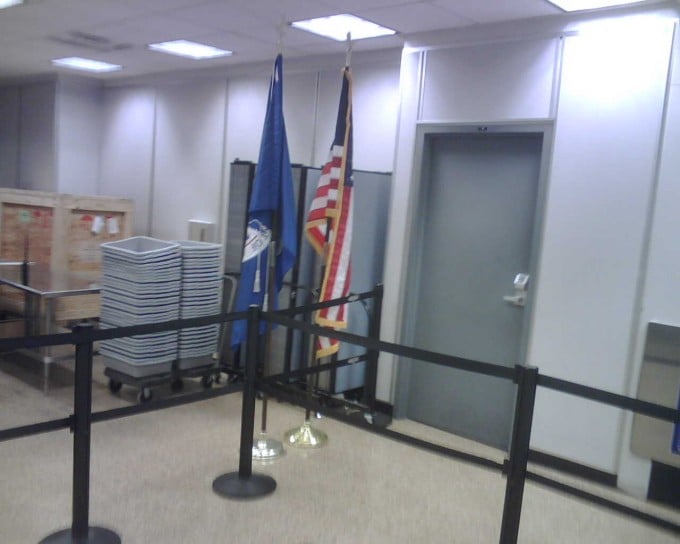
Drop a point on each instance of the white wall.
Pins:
(168, 145)
(189, 143)
(602, 179)
(37, 160)
(49, 135)
(78, 132)
(127, 137)
(660, 297)
(9, 136)
(606, 99)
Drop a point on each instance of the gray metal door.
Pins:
(475, 224)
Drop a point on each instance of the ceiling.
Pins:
(117, 31)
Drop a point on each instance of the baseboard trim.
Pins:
(573, 468)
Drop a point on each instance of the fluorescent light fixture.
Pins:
(336, 27)
(8, 3)
(88, 65)
(193, 50)
(581, 5)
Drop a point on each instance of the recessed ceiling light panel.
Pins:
(336, 27)
(88, 65)
(192, 50)
(582, 5)
(8, 3)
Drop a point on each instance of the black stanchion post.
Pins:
(244, 484)
(527, 378)
(80, 531)
(371, 375)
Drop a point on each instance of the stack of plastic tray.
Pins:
(200, 296)
(141, 282)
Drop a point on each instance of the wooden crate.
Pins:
(63, 232)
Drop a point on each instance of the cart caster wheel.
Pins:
(207, 381)
(177, 385)
(218, 377)
(114, 386)
(144, 395)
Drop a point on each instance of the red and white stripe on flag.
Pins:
(330, 222)
(325, 203)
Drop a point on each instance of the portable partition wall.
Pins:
(290, 349)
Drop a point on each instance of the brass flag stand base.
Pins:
(306, 436)
(267, 449)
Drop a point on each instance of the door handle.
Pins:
(520, 283)
(515, 300)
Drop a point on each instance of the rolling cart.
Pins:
(162, 376)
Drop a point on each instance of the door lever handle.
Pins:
(515, 300)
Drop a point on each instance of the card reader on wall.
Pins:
(201, 231)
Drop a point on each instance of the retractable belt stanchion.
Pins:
(371, 372)
(527, 378)
(244, 484)
(80, 531)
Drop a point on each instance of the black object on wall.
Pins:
(664, 484)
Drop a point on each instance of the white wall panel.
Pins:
(127, 149)
(375, 109)
(330, 84)
(9, 136)
(37, 139)
(497, 81)
(604, 159)
(246, 110)
(78, 126)
(299, 109)
(188, 156)
(400, 217)
(661, 295)
(246, 103)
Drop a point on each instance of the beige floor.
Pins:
(152, 476)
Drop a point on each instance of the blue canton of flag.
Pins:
(271, 213)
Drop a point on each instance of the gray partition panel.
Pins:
(371, 206)
(371, 200)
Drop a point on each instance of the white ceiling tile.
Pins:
(160, 5)
(148, 29)
(489, 11)
(414, 17)
(252, 28)
(352, 5)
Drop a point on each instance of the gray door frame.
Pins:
(416, 232)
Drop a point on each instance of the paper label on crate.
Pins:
(112, 225)
(97, 224)
(24, 216)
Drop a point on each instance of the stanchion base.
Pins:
(306, 436)
(95, 535)
(232, 486)
(267, 449)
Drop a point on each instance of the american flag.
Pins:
(330, 219)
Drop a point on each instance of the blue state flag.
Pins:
(271, 214)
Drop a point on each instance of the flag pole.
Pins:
(307, 436)
(266, 448)
(269, 234)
